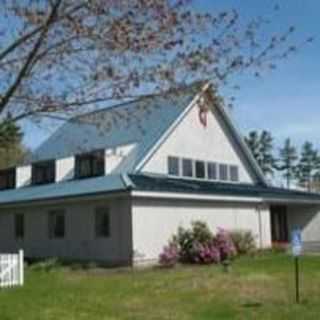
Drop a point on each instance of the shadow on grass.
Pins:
(252, 305)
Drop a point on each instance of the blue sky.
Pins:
(284, 101)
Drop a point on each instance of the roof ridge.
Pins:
(137, 99)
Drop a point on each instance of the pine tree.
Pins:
(261, 146)
(288, 157)
(268, 160)
(10, 133)
(12, 151)
(307, 166)
(253, 142)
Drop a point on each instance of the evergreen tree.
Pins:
(307, 166)
(268, 160)
(261, 146)
(253, 142)
(10, 133)
(12, 151)
(288, 157)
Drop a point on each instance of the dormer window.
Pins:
(7, 179)
(90, 164)
(43, 172)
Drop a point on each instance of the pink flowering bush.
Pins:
(190, 240)
(198, 245)
(205, 253)
(225, 245)
(170, 255)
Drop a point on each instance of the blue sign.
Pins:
(296, 242)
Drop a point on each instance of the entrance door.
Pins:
(279, 226)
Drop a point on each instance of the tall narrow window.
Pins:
(234, 173)
(43, 172)
(102, 222)
(187, 168)
(90, 164)
(212, 170)
(223, 172)
(200, 170)
(7, 179)
(19, 226)
(173, 166)
(56, 224)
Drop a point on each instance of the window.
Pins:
(173, 166)
(212, 170)
(43, 172)
(19, 226)
(223, 172)
(234, 173)
(7, 179)
(56, 224)
(102, 222)
(90, 164)
(200, 169)
(187, 170)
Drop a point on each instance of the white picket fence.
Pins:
(11, 270)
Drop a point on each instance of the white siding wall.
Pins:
(23, 176)
(65, 169)
(308, 219)
(155, 221)
(115, 156)
(80, 242)
(191, 140)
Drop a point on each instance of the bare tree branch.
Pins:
(31, 56)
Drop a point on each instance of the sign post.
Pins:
(296, 245)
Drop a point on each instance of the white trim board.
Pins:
(192, 196)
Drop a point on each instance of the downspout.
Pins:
(260, 225)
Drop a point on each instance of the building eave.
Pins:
(195, 197)
(170, 130)
(67, 199)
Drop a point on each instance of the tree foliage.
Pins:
(12, 151)
(288, 157)
(308, 165)
(261, 146)
(62, 55)
(301, 168)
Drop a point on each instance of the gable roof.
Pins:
(140, 123)
(239, 139)
(144, 123)
(230, 126)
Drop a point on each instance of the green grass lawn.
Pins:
(256, 288)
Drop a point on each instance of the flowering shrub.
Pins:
(198, 245)
(244, 241)
(205, 253)
(170, 255)
(225, 245)
(190, 240)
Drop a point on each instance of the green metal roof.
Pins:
(161, 183)
(63, 190)
(148, 183)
